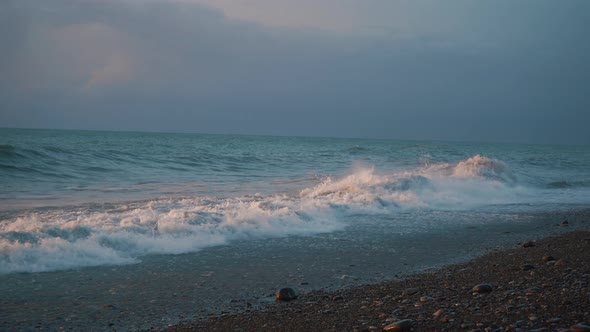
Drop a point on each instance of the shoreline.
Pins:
(180, 291)
(529, 292)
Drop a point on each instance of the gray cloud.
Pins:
(500, 71)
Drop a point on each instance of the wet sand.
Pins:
(530, 292)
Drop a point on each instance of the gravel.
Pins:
(543, 297)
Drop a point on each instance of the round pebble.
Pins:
(402, 325)
(411, 291)
(286, 294)
(482, 288)
(438, 313)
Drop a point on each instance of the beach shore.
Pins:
(537, 286)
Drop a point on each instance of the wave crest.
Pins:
(479, 166)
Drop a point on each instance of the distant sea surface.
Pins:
(70, 199)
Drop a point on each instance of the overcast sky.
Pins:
(502, 70)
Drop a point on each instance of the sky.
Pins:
(461, 70)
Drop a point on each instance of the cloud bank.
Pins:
(492, 71)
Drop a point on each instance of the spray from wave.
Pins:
(60, 239)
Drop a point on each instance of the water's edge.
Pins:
(168, 289)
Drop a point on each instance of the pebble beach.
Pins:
(536, 286)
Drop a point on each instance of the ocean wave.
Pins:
(472, 182)
(357, 149)
(65, 238)
(568, 184)
(6, 150)
(478, 166)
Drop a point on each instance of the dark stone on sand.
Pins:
(402, 325)
(580, 328)
(482, 288)
(548, 258)
(527, 267)
(286, 294)
(411, 291)
(528, 244)
(564, 223)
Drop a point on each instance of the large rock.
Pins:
(402, 325)
(286, 294)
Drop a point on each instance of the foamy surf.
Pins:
(67, 238)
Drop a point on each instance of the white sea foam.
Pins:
(75, 237)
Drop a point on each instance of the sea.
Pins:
(132, 230)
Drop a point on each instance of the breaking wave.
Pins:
(66, 238)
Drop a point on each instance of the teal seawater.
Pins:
(86, 198)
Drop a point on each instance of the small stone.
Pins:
(438, 313)
(533, 318)
(527, 267)
(580, 328)
(548, 258)
(286, 294)
(565, 223)
(482, 288)
(528, 244)
(554, 320)
(402, 325)
(426, 299)
(337, 298)
(411, 291)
